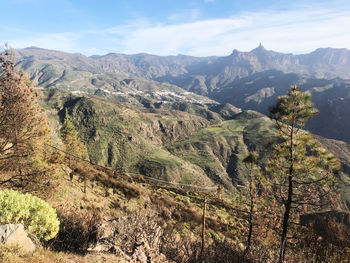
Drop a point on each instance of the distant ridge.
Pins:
(247, 80)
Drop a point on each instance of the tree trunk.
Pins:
(84, 184)
(287, 203)
(285, 220)
(251, 212)
(250, 227)
(203, 224)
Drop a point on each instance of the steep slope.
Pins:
(213, 72)
(167, 144)
(260, 91)
(220, 149)
(149, 66)
(132, 139)
(201, 75)
(80, 74)
(173, 145)
(249, 80)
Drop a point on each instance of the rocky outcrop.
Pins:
(11, 234)
(165, 130)
(130, 239)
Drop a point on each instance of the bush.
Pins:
(76, 230)
(37, 216)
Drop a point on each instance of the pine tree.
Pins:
(301, 171)
(23, 125)
(70, 137)
(251, 193)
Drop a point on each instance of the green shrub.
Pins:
(37, 216)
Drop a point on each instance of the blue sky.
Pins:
(171, 27)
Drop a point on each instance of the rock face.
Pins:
(129, 241)
(11, 234)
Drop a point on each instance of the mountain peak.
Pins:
(260, 48)
(235, 52)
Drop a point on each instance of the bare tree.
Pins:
(23, 124)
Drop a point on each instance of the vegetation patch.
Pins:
(37, 216)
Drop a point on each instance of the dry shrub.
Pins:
(165, 213)
(75, 230)
(221, 252)
(186, 249)
(305, 246)
(179, 211)
(313, 248)
(161, 201)
(130, 231)
(41, 183)
(130, 190)
(108, 179)
(215, 224)
(187, 214)
(333, 232)
(181, 249)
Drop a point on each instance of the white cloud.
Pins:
(58, 41)
(285, 31)
(185, 15)
(179, 38)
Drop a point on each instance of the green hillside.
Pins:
(141, 159)
(169, 144)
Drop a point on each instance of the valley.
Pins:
(188, 121)
(248, 80)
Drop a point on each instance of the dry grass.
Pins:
(178, 212)
(44, 255)
(76, 230)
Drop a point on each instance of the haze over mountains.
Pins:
(248, 80)
(322, 63)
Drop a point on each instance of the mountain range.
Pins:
(188, 119)
(248, 80)
(167, 141)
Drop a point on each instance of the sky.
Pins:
(172, 27)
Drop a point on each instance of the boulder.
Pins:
(129, 241)
(14, 234)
